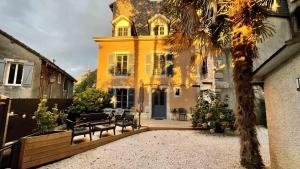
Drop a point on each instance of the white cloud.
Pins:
(59, 30)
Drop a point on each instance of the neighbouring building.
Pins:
(136, 53)
(25, 73)
(278, 71)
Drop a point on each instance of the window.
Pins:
(204, 69)
(297, 19)
(159, 30)
(124, 97)
(122, 65)
(59, 78)
(15, 74)
(159, 65)
(177, 92)
(66, 85)
(122, 31)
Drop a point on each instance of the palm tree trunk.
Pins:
(245, 118)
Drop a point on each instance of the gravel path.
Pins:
(165, 150)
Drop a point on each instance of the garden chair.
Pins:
(79, 129)
(94, 118)
(119, 112)
(125, 121)
(108, 111)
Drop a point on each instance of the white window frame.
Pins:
(122, 32)
(159, 32)
(122, 87)
(180, 91)
(116, 62)
(7, 71)
(153, 55)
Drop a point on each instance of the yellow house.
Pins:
(137, 54)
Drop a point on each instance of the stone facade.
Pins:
(35, 72)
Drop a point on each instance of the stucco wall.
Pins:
(272, 44)
(184, 76)
(283, 114)
(9, 49)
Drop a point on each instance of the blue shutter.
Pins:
(111, 92)
(2, 64)
(130, 97)
(170, 64)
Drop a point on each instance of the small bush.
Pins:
(46, 120)
(212, 112)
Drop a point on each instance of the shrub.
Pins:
(90, 100)
(46, 120)
(213, 112)
(89, 81)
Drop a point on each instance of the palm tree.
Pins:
(236, 25)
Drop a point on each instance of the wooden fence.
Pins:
(21, 111)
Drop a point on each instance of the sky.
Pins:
(59, 29)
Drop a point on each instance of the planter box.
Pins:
(40, 150)
(37, 150)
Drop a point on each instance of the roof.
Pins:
(120, 17)
(43, 58)
(287, 51)
(158, 16)
(139, 17)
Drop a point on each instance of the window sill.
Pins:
(13, 85)
(159, 76)
(125, 76)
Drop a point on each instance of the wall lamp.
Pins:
(298, 83)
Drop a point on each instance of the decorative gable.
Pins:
(159, 25)
(122, 26)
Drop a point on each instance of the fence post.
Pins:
(6, 119)
(3, 124)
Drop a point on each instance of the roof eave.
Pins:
(284, 53)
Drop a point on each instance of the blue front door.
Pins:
(159, 105)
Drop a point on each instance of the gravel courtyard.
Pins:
(165, 150)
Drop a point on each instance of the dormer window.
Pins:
(122, 26)
(158, 25)
(159, 30)
(123, 31)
